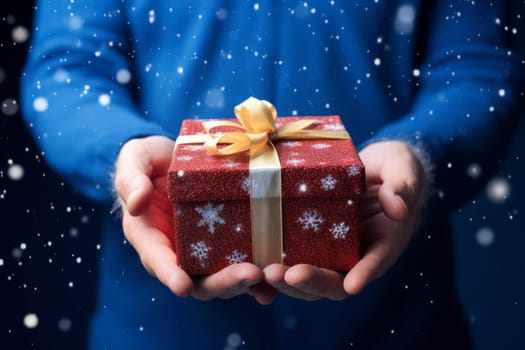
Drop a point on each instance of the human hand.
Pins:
(389, 210)
(141, 183)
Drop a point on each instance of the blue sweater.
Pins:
(438, 74)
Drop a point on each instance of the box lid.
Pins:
(320, 168)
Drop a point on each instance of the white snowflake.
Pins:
(328, 183)
(311, 220)
(184, 158)
(231, 164)
(210, 216)
(200, 250)
(295, 162)
(193, 148)
(236, 257)
(291, 143)
(246, 184)
(321, 145)
(340, 230)
(353, 170)
(333, 127)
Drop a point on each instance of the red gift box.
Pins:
(321, 180)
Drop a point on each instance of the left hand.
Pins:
(389, 210)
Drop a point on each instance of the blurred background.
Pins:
(49, 243)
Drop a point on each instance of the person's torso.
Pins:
(200, 59)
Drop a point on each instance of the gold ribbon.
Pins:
(257, 132)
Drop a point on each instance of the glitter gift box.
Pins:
(321, 180)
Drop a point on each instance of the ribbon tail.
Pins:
(266, 208)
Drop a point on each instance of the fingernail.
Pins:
(248, 283)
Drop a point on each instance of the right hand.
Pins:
(141, 183)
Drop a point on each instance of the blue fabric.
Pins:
(440, 74)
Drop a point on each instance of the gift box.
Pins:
(226, 212)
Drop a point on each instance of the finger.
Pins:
(369, 204)
(229, 282)
(156, 254)
(316, 281)
(401, 187)
(372, 265)
(132, 181)
(162, 263)
(275, 276)
(264, 293)
(140, 160)
(392, 203)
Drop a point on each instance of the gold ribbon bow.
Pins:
(257, 118)
(257, 133)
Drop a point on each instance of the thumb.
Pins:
(402, 185)
(132, 177)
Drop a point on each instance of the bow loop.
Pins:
(257, 116)
(257, 130)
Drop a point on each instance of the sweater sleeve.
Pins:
(467, 103)
(76, 97)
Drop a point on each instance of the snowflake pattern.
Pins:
(193, 148)
(246, 184)
(311, 220)
(328, 182)
(340, 230)
(321, 146)
(231, 164)
(236, 257)
(200, 250)
(210, 215)
(290, 143)
(333, 127)
(353, 170)
(184, 158)
(295, 162)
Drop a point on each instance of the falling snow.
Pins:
(151, 18)
(404, 21)
(40, 104)
(9, 107)
(31, 320)
(498, 190)
(210, 216)
(20, 34)
(104, 100)
(123, 76)
(405, 18)
(485, 236)
(15, 172)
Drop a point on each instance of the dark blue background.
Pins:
(49, 234)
